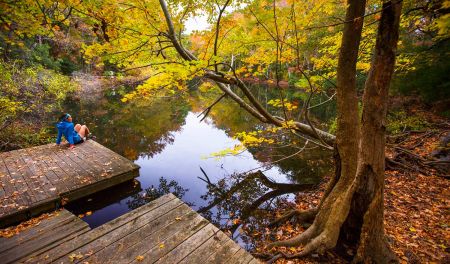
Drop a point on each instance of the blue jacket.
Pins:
(67, 129)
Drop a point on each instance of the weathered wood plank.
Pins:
(225, 252)
(23, 197)
(164, 231)
(57, 228)
(161, 242)
(73, 245)
(36, 179)
(166, 211)
(208, 248)
(154, 228)
(103, 149)
(61, 218)
(189, 245)
(40, 161)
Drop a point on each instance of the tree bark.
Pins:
(367, 214)
(356, 196)
(324, 232)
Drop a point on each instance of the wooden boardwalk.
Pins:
(37, 179)
(164, 231)
(49, 233)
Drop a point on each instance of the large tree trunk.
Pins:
(357, 194)
(335, 205)
(367, 211)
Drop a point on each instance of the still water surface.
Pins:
(170, 144)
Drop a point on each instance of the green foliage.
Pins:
(400, 121)
(67, 66)
(333, 126)
(28, 95)
(430, 78)
(41, 55)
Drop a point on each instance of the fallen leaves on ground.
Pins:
(15, 230)
(73, 257)
(416, 215)
(139, 258)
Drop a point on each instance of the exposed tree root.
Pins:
(299, 216)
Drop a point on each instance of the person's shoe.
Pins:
(90, 136)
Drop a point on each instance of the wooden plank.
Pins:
(29, 178)
(47, 170)
(23, 196)
(69, 176)
(109, 155)
(254, 261)
(166, 211)
(103, 149)
(5, 179)
(30, 246)
(81, 177)
(156, 228)
(73, 245)
(189, 245)
(83, 165)
(86, 158)
(164, 231)
(208, 248)
(61, 218)
(106, 163)
(61, 176)
(160, 247)
(225, 252)
(37, 178)
(31, 258)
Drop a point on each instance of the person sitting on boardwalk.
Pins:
(73, 134)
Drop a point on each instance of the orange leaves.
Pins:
(88, 213)
(14, 230)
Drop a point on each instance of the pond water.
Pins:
(166, 138)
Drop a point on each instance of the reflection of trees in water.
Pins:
(234, 199)
(133, 129)
(152, 193)
(309, 166)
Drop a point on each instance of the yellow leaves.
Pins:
(73, 257)
(443, 25)
(139, 258)
(278, 103)
(363, 66)
(161, 245)
(237, 149)
(205, 86)
(178, 218)
(88, 213)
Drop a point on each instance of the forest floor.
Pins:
(416, 202)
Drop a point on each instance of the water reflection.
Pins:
(164, 136)
(152, 193)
